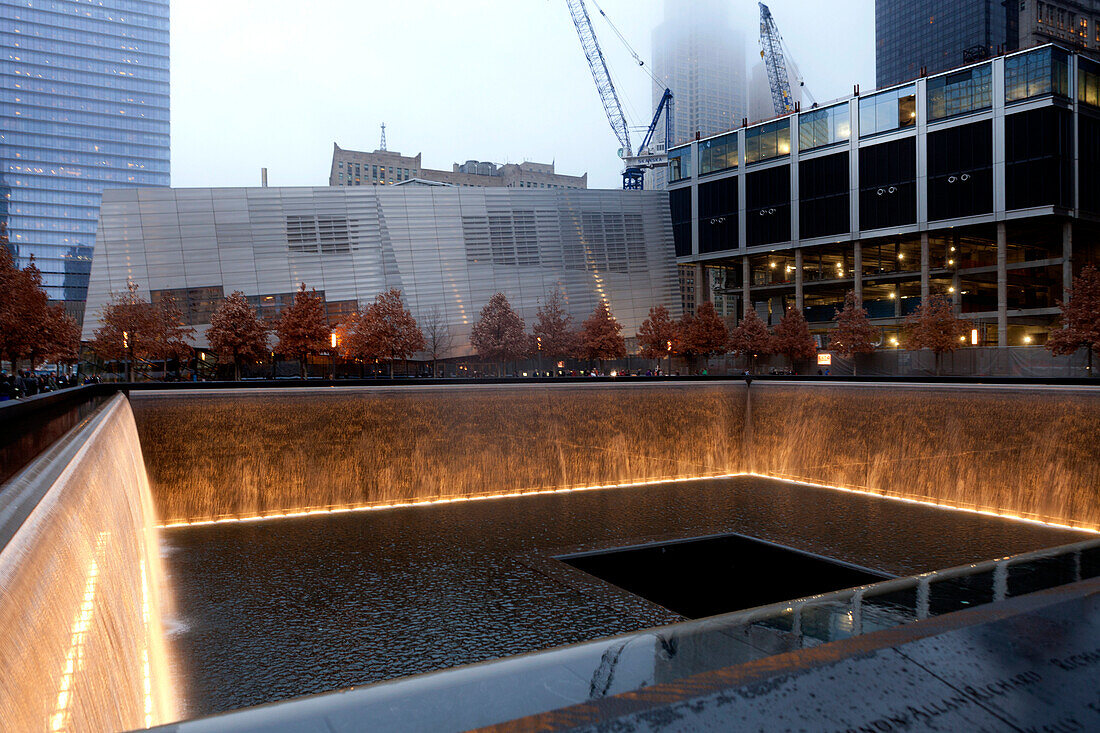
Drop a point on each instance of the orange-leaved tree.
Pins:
(389, 328)
(934, 326)
(704, 334)
(601, 336)
(172, 336)
(236, 332)
(302, 328)
(751, 338)
(658, 335)
(61, 336)
(129, 330)
(554, 331)
(500, 334)
(854, 333)
(29, 326)
(792, 338)
(1080, 317)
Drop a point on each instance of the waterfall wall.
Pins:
(246, 452)
(1030, 451)
(81, 587)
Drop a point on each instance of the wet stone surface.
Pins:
(284, 608)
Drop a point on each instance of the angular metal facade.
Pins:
(450, 248)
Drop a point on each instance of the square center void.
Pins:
(713, 575)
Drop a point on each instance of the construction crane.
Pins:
(633, 175)
(775, 54)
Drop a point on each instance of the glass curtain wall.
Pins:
(85, 107)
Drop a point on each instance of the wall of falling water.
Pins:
(245, 452)
(1028, 451)
(82, 646)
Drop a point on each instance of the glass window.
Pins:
(765, 142)
(1038, 72)
(1088, 82)
(679, 164)
(718, 154)
(823, 127)
(961, 92)
(890, 110)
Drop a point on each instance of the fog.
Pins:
(275, 84)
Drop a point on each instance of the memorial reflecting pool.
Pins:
(287, 607)
(191, 552)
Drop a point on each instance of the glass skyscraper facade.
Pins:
(939, 35)
(84, 106)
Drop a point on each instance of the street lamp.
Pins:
(538, 343)
(668, 347)
(332, 342)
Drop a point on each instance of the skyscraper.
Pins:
(700, 56)
(937, 35)
(84, 92)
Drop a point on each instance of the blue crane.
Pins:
(774, 52)
(633, 175)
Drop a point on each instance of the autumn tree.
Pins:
(172, 337)
(61, 336)
(555, 333)
(499, 335)
(601, 336)
(29, 326)
(751, 338)
(704, 334)
(658, 335)
(438, 339)
(236, 332)
(1080, 317)
(854, 333)
(353, 340)
(302, 329)
(934, 326)
(389, 329)
(792, 337)
(129, 329)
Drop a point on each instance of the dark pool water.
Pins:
(285, 608)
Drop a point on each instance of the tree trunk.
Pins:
(236, 370)
(938, 355)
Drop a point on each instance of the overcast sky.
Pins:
(275, 82)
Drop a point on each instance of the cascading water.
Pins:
(81, 594)
(1027, 451)
(241, 453)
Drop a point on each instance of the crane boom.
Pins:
(771, 49)
(600, 74)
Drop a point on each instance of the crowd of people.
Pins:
(28, 384)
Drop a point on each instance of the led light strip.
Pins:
(938, 505)
(432, 502)
(74, 661)
(542, 492)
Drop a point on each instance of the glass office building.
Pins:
(981, 184)
(937, 35)
(83, 108)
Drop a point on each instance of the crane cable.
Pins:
(629, 48)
